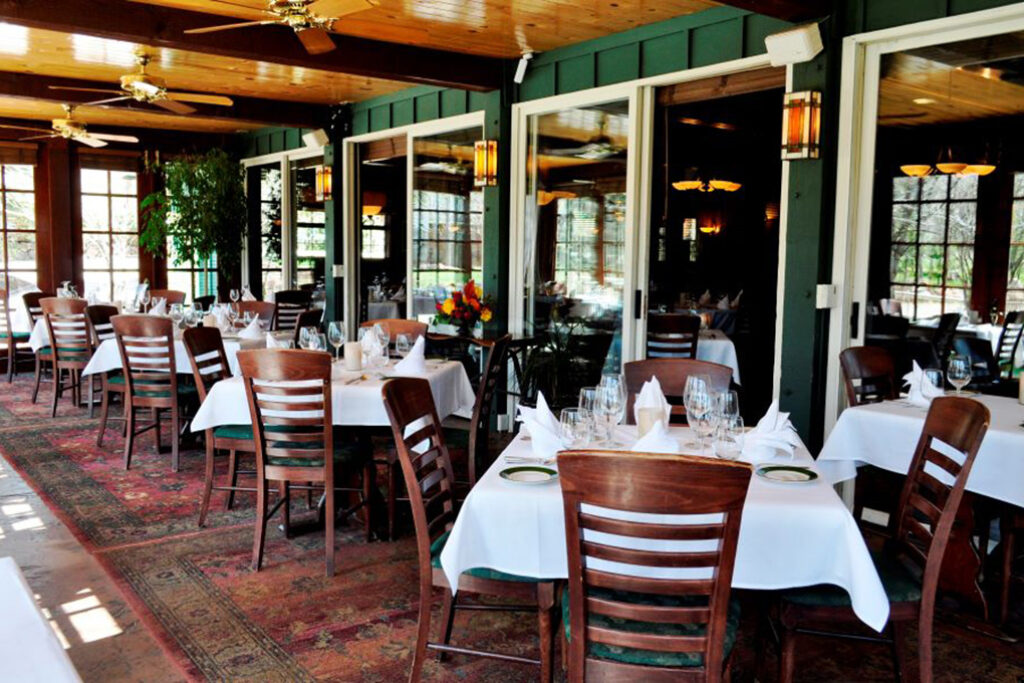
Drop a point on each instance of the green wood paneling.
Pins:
(453, 102)
(665, 54)
(270, 141)
(618, 64)
(575, 73)
(755, 28)
(380, 117)
(716, 43)
(403, 113)
(428, 107)
(540, 82)
(870, 15)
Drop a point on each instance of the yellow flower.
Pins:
(448, 306)
(485, 315)
(479, 291)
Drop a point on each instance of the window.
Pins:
(375, 238)
(932, 248)
(308, 219)
(194, 279)
(272, 266)
(589, 243)
(1015, 277)
(110, 233)
(18, 223)
(447, 238)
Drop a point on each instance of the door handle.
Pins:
(854, 320)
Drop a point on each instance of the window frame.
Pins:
(110, 270)
(6, 230)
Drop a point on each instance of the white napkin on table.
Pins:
(247, 295)
(658, 440)
(651, 396)
(723, 303)
(252, 330)
(705, 298)
(414, 364)
(159, 308)
(735, 303)
(774, 432)
(920, 389)
(545, 430)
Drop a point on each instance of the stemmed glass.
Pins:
(697, 400)
(402, 345)
(575, 425)
(336, 335)
(383, 340)
(694, 383)
(609, 407)
(146, 298)
(233, 295)
(588, 396)
(307, 338)
(616, 382)
(728, 439)
(727, 407)
(959, 372)
(177, 314)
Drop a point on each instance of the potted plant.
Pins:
(464, 309)
(202, 211)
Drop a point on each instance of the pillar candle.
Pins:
(353, 355)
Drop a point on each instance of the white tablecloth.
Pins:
(107, 357)
(714, 347)
(791, 536)
(886, 434)
(377, 310)
(357, 404)
(29, 648)
(40, 336)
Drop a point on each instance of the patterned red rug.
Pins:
(289, 622)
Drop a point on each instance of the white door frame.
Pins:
(858, 115)
(350, 222)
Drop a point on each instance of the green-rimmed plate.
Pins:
(529, 474)
(786, 474)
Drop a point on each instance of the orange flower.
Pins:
(485, 315)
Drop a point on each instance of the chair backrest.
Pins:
(99, 316)
(146, 345)
(929, 503)
(671, 374)
(480, 431)
(264, 309)
(890, 307)
(984, 366)
(308, 318)
(205, 301)
(698, 578)
(172, 296)
(1009, 340)
(869, 375)
(672, 335)
(205, 349)
(5, 314)
(942, 339)
(288, 305)
(70, 338)
(396, 326)
(35, 310)
(426, 466)
(289, 395)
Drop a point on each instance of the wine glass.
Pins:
(959, 372)
(575, 425)
(146, 298)
(934, 375)
(177, 314)
(306, 335)
(616, 382)
(336, 335)
(608, 409)
(586, 404)
(233, 295)
(728, 439)
(727, 406)
(698, 409)
(402, 345)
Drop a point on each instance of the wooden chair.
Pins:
(396, 326)
(672, 335)
(309, 318)
(146, 345)
(11, 338)
(942, 338)
(288, 304)
(44, 355)
(922, 527)
(671, 374)
(264, 309)
(209, 363)
(870, 377)
(111, 383)
(72, 346)
(172, 296)
(427, 470)
(1009, 340)
(206, 302)
(292, 448)
(679, 628)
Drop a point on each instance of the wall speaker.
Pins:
(316, 138)
(800, 44)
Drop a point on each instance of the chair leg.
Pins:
(104, 413)
(369, 476)
(156, 429)
(129, 438)
(232, 477)
(329, 525)
(38, 377)
(392, 493)
(787, 655)
(285, 493)
(10, 360)
(261, 524)
(1009, 550)
(92, 396)
(56, 390)
(175, 438)
(545, 610)
(924, 648)
(207, 481)
(447, 619)
(422, 633)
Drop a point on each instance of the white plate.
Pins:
(529, 474)
(786, 474)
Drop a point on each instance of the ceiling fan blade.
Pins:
(237, 4)
(176, 107)
(224, 27)
(340, 8)
(199, 98)
(316, 40)
(38, 137)
(106, 101)
(90, 140)
(34, 130)
(96, 90)
(112, 138)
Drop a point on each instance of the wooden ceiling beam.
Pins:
(788, 10)
(165, 27)
(245, 109)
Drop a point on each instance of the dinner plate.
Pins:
(529, 474)
(786, 474)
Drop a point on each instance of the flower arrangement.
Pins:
(464, 308)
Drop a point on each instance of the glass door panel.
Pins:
(382, 194)
(271, 262)
(308, 218)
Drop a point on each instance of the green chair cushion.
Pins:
(233, 432)
(115, 378)
(45, 351)
(185, 391)
(18, 336)
(899, 583)
(631, 655)
(481, 573)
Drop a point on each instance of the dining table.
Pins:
(714, 346)
(791, 535)
(885, 435)
(107, 357)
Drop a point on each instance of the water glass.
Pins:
(609, 406)
(233, 295)
(727, 406)
(699, 412)
(934, 376)
(336, 335)
(586, 404)
(177, 314)
(959, 372)
(728, 439)
(306, 337)
(402, 345)
(575, 427)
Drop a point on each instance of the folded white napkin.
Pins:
(247, 295)
(736, 302)
(414, 364)
(210, 320)
(723, 303)
(399, 295)
(545, 430)
(252, 330)
(159, 308)
(920, 389)
(658, 440)
(774, 432)
(651, 396)
(705, 298)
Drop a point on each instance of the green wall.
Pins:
(416, 105)
(271, 141)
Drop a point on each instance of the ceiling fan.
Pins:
(310, 19)
(142, 87)
(598, 148)
(70, 129)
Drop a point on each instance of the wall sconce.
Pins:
(373, 202)
(801, 125)
(711, 229)
(323, 183)
(485, 163)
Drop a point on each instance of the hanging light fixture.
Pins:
(916, 170)
(545, 197)
(485, 163)
(707, 186)
(373, 202)
(949, 165)
(801, 125)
